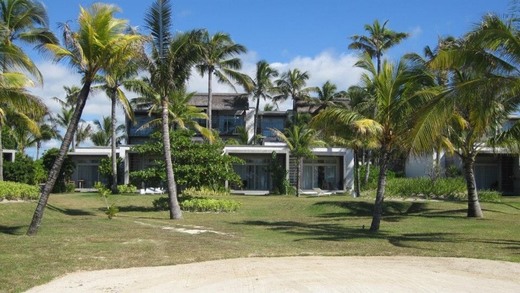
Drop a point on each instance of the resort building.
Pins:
(329, 171)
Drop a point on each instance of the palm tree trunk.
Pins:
(56, 167)
(38, 147)
(298, 166)
(255, 130)
(368, 157)
(1, 155)
(357, 192)
(114, 156)
(380, 194)
(210, 101)
(474, 210)
(175, 209)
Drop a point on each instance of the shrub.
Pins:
(373, 176)
(449, 188)
(199, 204)
(16, 191)
(21, 170)
(489, 196)
(129, 188)
(204, 192)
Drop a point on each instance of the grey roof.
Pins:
(222, 101)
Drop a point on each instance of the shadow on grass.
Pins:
(310, 231)
(70, 212)
(12, 230)
(132, 208)
(393, 211)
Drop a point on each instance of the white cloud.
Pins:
(416, 32)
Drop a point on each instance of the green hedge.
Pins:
(447, 188)
(18, 191)
(199, 204)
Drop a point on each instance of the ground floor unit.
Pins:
(330, 170)
(495, 169)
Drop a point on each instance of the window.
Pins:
(272, 122)
(227, 124)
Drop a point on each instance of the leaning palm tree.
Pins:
(292, 84)
(299, 140)
(217, 57)
(170, 66)
(23, 21)
(94, 47)
(262, 88)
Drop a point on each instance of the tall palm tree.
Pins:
(262, 88)
(170, 66)
(94, 47)
(378, 40)
(395, 89)
(121, 76)
(22, 21)
(217, 57)
(292, 84)
(299, 140)
(481, 93)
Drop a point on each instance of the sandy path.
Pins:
(303, 274)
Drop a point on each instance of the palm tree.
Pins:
(25, 137)
(379, 40)
(22, 21)
(83, 132)
(170, 66)
(395, 99)
(97, 44)
(262, 88)
(481, 93)
(16, 102)
(104, 135)
(182, 114)
(293, 84)
(327, 95)
(299, 140)
(121, 75)
(344, 127)
(217, 57)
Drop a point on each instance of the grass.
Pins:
(76, 234)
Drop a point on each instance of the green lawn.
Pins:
(76, 235)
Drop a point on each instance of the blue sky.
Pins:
(310, 35)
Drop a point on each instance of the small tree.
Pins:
(196, 164)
